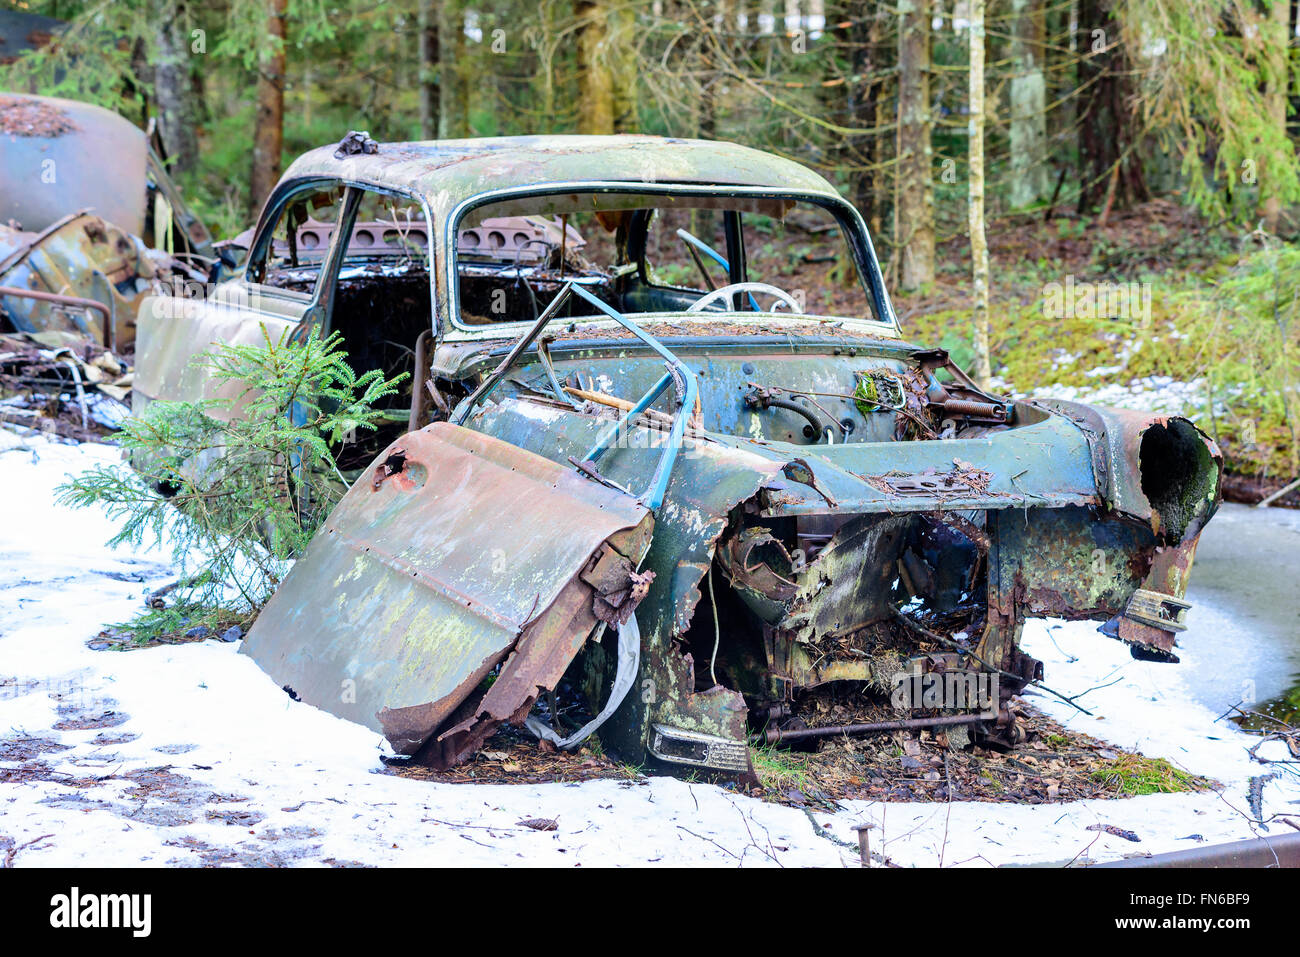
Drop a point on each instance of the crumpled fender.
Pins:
(1138, 456)
(1166, 473)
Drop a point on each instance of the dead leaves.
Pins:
(540, 823)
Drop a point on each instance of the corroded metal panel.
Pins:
(430, 569)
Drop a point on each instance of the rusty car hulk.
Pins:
(633, 456)
(90, 224)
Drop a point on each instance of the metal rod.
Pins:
(991, 410)
(490, 383)
(654, 496)
(544, 356)
(74, 301)
(693, 243)
(903, 724)
(1281, 851)
(864, 845)
(641, 405)
(417, 386)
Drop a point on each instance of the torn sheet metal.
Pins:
(629, 662)
(82, 275)
(709, 481)
(467, 553)
(1160, 469)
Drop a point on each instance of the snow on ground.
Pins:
(1140, 705)
(253, 777)
(1159, 394)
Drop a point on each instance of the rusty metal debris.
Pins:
(54, 382)
(695, 517)
(776, 735)
(90, 224)
(1281, 851)
(81, 275)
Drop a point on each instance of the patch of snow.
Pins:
(1160, 394)
(1141, 705)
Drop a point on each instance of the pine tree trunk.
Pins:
(268, 134)
(1029, 172)
(1112, 168)
(856, 32)
(427, 76)
(595, 81)
(914, 213)
(623, 95)
(173, 83)
(979, 249)
(453, 84)
(1279, 28)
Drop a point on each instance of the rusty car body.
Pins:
(90, 222)
(701, 513)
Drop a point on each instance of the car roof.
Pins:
(448, 172)
(102, 162)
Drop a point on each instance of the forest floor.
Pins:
(189, 755)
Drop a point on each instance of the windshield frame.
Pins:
(852, 227)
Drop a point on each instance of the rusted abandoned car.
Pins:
(639, 457)
(90, 222)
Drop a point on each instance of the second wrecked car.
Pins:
(90, 223)
(638, 453)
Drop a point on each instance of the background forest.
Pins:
(1015, 160)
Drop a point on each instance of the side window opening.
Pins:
(293, 259)
(380, 300)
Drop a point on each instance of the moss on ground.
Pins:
(1134, 774)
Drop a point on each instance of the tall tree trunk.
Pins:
(268, 134)
(624, 58)
(173, 83)
(1061, 24)
(1112, 167)
(595, 80)
(453, 80)
(427, 77)
(856, 30)
(1278, 41)
(914, 211)
(1029, 172)
(546, 56)
(850, 97)
(979, 248)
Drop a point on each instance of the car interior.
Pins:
(639, 254)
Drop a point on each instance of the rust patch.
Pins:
(963, 480)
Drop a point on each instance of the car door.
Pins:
(287, 284)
